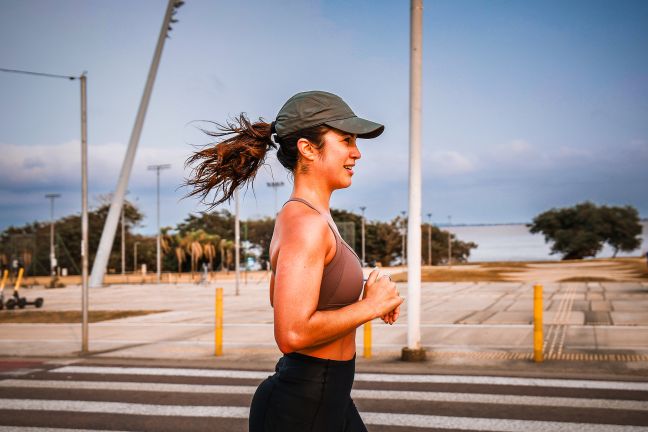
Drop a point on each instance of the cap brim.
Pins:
(359, 126)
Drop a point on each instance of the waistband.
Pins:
(319, 361)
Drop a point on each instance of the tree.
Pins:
(579, 232)
(621, 228)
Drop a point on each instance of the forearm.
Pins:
(324, 326)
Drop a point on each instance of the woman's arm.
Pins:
(300, 265)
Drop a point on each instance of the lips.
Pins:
(349, 168)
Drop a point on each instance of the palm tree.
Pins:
(194, 248)
(222, 245)
(209, 248)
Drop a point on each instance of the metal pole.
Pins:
(158, 259)
(364, 262)
(449, 242)
(403, 230)
(275, 186)
(135, 257)
(429, 239)
(84, 214)
(414, 351)
(237, 241)
(110, 227)
(123, 244)
(52, 197)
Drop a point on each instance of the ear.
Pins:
(306, 149)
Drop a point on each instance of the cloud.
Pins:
(447, 162)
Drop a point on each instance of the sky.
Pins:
(527, 105)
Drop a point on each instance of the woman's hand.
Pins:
(382, 295)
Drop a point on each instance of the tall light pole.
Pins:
(237, 242)
(52, 197)
(275, 185)
(429, 215)
(414, 351)
(362, 209)
(449, 242)
(403, 234)
(158, 260)
(135, 257)
(84, 193)
(110, 226)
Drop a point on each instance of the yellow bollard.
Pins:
(218, 334)
(5, 275)
(19, 279)
(367, 339)
(538, 356)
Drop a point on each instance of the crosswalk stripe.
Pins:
(397, 419)
(356, 394)
(491, 425)
(385, 378)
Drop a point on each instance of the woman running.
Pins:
(317, 280)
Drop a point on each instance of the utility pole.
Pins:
(53, 263)
(237, 241)
(123, 243)
(84, 195)
(362, 209)
(110, 227)
(275, 185)
(403, 235)
(429, 215)
(414, 351)
(449, 242)
(135, 257)
(158, 259)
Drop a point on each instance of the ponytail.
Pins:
(241, 149)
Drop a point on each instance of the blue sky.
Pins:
(527, 105)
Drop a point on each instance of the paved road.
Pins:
(39, 396)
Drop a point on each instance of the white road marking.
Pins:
(391, 419)
(487, 424)
(356, 394)
(404, 378)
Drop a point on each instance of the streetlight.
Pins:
(403, 233)
(84, 194)
(123, 240)
(274, 185)
(52, 197)
(135, 257)
(158, 262)
(362, 209)
(449, 242)
(429, 215)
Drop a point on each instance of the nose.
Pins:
(355, 152)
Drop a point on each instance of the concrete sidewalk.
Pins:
(600, 326)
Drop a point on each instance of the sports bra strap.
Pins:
(303, 201)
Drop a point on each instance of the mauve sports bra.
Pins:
(342, 278)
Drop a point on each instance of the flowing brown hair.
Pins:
(240, 150)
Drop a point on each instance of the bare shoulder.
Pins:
(302, 225)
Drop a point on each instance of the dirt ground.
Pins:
(595, 270)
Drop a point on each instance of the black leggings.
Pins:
(306, 394)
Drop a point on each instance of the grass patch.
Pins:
(587, 279)
(455, 274)
(56, 317)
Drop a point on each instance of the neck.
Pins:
(313, 190)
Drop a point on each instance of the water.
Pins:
(516, 243)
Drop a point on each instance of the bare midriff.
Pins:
(343, 348)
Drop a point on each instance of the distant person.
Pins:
(316, 278)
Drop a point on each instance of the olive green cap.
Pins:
(316, 108)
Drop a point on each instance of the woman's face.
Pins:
(337, 158)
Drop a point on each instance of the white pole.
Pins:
(158, 256)
(364, 262)
(52, 197)
(108, 233)
(414, 221)
(123, 244)
(84, 215)
(237, 241)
